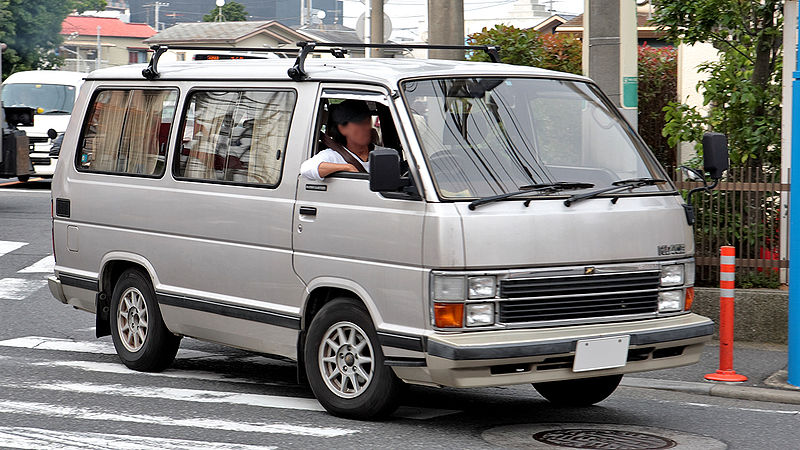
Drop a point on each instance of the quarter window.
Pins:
(127, 132)
(235, 136)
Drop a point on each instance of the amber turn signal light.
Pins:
(689, 299)
(448, 315)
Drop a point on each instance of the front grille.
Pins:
(578, 297)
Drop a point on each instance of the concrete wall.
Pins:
(689, 58)
(760, 314)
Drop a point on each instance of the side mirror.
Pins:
(52, 134)
(384, 171)
(715, 154)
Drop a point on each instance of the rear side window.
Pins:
(127, 132)
(236, 137)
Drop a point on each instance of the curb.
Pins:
(714, 389)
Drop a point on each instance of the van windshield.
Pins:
(490, 136)
(52, 98)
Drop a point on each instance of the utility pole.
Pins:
(157, 7)
(97, 62)
(446, 27)
(376, 27)
(610, 51)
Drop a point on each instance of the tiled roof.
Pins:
(217, 31)
(112, 27)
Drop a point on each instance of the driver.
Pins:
(352, 129)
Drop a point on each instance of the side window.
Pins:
(127, 132)
(235, 136)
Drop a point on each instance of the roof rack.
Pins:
(297, 72)
(151, 71)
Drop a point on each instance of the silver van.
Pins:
(512, 228)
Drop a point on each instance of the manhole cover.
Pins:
(603, 439)
(555, 436)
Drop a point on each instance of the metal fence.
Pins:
(744, 211)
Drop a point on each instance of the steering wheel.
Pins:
(446, 165)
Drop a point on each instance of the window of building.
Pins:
(235, 136)
(127, 132)
(137, 56)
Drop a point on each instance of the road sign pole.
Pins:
(794, 234)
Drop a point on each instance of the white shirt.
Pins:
(310, 167)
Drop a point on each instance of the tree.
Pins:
(743, 92)
(231, 12)
(528, 47)
(31, 29)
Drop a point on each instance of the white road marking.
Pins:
(185, 395)
(735, 408)
(10, 246)
(19, 288)
(37, 438)
(35, 408)
(207, 396)
(117, 368)
(44, 265)
(68, 345)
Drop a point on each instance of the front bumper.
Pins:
(495, 358)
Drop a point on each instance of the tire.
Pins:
(140, 337)
(345, 356)
(23, 178)
(580, 392)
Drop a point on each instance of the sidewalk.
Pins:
(763, 364)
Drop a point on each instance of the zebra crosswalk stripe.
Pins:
(10, 246)
(44, 265)
(19, 288)
(38, 438)
(80, 413)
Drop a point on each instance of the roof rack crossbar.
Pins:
(492, 50)
(151, 71)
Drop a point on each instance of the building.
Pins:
(646, 32)
(521, 14)
(116, 42)
(172, 12)
(549, 25)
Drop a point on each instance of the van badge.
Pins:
(674, 249)
(588, 270)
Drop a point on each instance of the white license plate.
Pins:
(601, 353)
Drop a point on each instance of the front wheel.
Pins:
(344, 363)
(140, 337)
(580, 392)
(23, 178)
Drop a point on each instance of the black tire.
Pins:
(23, 178)
(379, 396)
(580, 392)
(156, 350)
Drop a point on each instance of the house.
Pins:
(549, 25)
(225, 35)
(646, 31)
(117, 42)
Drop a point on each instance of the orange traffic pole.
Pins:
(727, 272)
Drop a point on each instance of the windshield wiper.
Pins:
(57, 111)
(620, 185)
(543, 187)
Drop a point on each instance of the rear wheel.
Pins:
(140, 337)
(344, 363)
(23, 178)
(580, 392)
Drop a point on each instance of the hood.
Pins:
(507, 234)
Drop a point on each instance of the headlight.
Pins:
(481, 287)
(448, 287)
(479, 314)
(672, 275)
(669, 301)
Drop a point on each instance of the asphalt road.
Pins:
(62, 388)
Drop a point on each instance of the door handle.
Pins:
(308, 211)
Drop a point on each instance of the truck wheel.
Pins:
(23, 178)
(140, 337)
(344, 363)
(580, 392)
